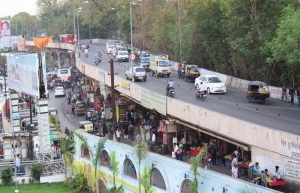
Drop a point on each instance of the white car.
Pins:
(59, 91)
(136, 73)
(122, 55)
(212, 84)
(109, 48)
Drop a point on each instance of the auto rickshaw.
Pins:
(87, 126)
(258, 92)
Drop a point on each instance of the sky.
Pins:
(12, 7)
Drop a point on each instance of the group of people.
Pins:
(293, 93)
(260, 176)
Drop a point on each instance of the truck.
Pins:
(188, 72)
(160, 64)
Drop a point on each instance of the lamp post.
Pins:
(64, 23)
(130, 10)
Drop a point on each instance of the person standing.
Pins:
(292, 94)
(18, 163)
(234, 171)
(283, 94)
(298, 95)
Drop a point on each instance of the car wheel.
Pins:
(208, 90)
(145, 79)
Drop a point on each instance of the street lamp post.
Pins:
(130, 10)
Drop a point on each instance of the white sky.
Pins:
(12, 7)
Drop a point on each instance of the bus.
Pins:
(65, 74)
(67, 38)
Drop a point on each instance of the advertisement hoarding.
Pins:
(5, 28)
(22, 73)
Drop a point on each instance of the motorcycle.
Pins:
(201, 94)
(98, 60)
(171, 92)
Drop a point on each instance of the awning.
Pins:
(229, 140)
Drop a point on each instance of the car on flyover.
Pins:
(212, 84)
(122, 56)
(136, 73)
(59, 91)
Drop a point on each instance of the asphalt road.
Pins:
(64, 112)
(278, 115)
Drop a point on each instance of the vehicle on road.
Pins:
(59, 91)
(160, 64)
(258, 92)
(67, 38)
(109, 47)
(65, 74)
(136, 73)
(171, 92)
(122, 56)
(144, 61)
(87, 126)
(201, 94)
(212, 84)
(188, 72)
(80, 108)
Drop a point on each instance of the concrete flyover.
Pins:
(268, 144)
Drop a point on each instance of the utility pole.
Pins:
(113, 99)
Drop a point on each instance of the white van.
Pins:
(65, 74)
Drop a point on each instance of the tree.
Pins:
(145, 180)
(285, 45)
(95, 154)
(195, 163)
(115, 171)
(141, 150)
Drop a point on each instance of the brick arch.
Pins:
(105, 159)
(84, 151)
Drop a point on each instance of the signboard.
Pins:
(9, 41)
(153, 100)
(14, 111)
(21, 45)
(44, 131)
(5, 28)
(125, 85)
(132, 56)
(22, 73)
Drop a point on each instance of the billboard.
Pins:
(5, 28)
(9, 42)
(22, 73)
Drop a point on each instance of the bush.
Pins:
(6, 176)
(78, 183)
(36, 171)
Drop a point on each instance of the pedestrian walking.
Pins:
(73, 108)
(284, 93)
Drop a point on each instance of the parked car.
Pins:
(212, 84)
(136, 73)
(59, 91)
(122, 55)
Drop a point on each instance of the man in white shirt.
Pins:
(234, 171)
(234, 161)
(153, 138)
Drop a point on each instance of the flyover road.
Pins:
(278, 115)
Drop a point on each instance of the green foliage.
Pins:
(114, 167)
(119, 189)
(140, 151)
(6, 176)
(195, 163)
(145, 180)
(78, 183)
(36, 171)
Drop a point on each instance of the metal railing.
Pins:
(50, 167)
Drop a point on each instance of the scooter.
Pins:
(171, 92)
(201, 94)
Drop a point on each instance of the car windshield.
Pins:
(123, 53)
(214, 80)
(59, 88)
(63, 71)
(145, 59)
(194, 69)
(164, 63)
(139, 69)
